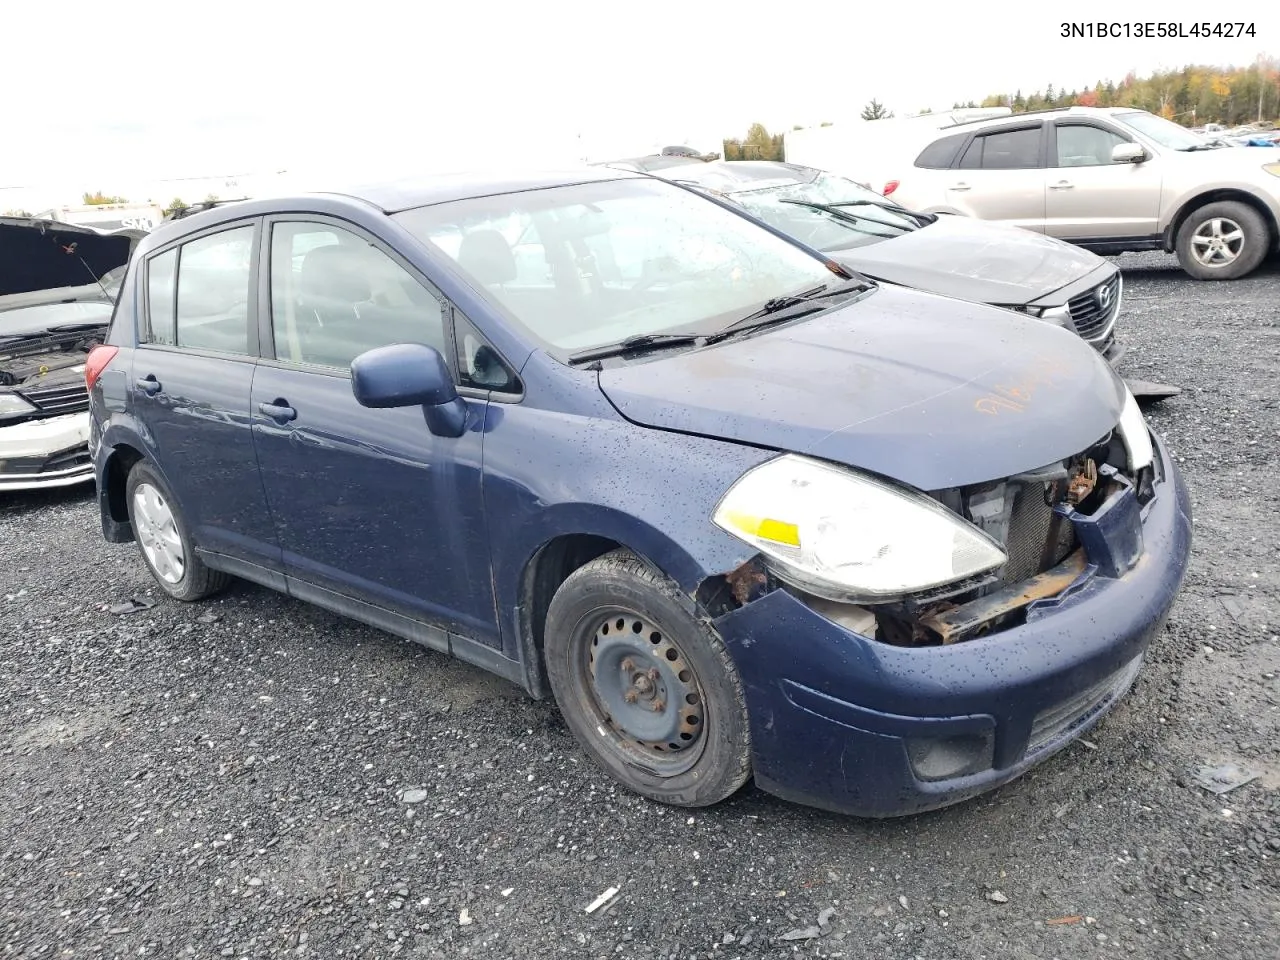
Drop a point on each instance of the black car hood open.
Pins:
(974, 260)
(930, 391)
(46, 254)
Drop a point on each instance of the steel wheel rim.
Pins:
(1217, 242)
(158, 535)
(644, 695)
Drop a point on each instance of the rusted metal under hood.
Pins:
(930, 391)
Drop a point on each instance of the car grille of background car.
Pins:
(1092, 311)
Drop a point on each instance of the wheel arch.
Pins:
(116, 524)
(565, 550)
(1219, 195)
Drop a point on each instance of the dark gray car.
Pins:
(953, 256)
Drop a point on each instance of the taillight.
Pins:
(889, 187)
(96, 362)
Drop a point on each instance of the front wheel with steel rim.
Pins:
(1223, 241)
(648, 690)
(163, 538)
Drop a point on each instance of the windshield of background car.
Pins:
(1162, 131)
(590, 264)
(857, 225)
(28, 321)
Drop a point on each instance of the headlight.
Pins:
(1134, 434)
(1272, 168)
(12, 405)
(846, 537)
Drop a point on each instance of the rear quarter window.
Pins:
(941, 154)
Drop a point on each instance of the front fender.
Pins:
(551, 474)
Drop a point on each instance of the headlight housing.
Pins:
(1272, 168)
(1134, 434)
(848, 537)
(1059, 315)
(12, 405)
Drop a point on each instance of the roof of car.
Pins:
(731, 176)
(397, 195)
(392, 196)
(1036, 114)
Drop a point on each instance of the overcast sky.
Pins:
(97, 95)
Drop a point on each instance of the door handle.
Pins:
(279, 411)
(1061, 185)
(959, 186)
(148, 384)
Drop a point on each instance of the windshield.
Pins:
(864, 221)
(591, 264)
(26, 321)
(1162, 131)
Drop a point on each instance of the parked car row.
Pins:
(742, 509)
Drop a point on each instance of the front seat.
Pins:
(331, 284)
(485, 255)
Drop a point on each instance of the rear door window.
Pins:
(1004, 150)
(212, 306)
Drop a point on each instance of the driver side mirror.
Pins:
(1128, 153)
(410, 375)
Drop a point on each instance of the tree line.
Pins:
(1191, 96)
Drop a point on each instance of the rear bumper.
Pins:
(836, 718)
(45, 453)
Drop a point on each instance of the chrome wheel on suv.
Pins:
(1217, 242)
(1222, 241)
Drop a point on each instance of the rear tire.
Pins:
(1223, 241)
(164, 540)
(649, 691)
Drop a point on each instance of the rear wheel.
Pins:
(164, 540)
(1223, 241)
(648, 690)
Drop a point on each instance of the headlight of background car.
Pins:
(12, 405)
(1134, 433)
(1057, 315)
(847, 537)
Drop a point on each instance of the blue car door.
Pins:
(191, 379)
(369, 504)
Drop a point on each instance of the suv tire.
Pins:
(1222, 241)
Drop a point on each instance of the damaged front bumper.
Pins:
(45, 453)
(858, 726)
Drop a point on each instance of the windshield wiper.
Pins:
(862, 223)
(1202, 146)
(788, 307)
(641, 341)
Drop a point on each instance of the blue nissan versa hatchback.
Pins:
(740, 512)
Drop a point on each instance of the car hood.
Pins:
(974, 260)
(40, 255)
(927, 390)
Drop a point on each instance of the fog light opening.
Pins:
(945, 758)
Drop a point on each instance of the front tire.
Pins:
(164, 540)
(649, 691)
(1222, 241)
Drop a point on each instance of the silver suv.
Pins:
(1109, 179)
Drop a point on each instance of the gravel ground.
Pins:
(226, 779)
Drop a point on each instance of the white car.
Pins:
(58, 284)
